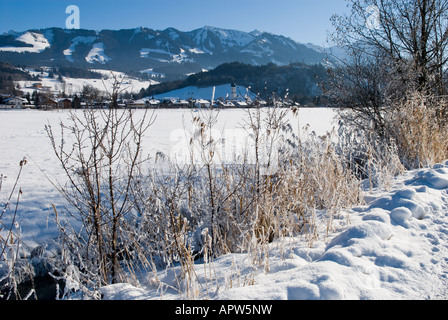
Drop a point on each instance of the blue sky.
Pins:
(301, 20)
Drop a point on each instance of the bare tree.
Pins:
(411, 34)
(363, 90)
(395, 66)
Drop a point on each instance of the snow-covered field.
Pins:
(393, 247)
(75, 85)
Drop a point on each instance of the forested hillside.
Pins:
(300, 81)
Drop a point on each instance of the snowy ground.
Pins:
(393, 247)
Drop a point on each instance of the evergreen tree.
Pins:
(76, 103)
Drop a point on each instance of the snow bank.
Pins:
(393, 247)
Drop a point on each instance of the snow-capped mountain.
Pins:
(170, 52)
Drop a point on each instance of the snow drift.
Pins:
(393, 247)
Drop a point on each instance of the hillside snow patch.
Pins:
(36, 43)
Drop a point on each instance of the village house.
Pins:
(202, 103)
(241, 104)
(65, 103)
(48, 103)
(153, 103)
(15, 103)
(225, 104)
(141, 103)
(175, 103)
(182, 104)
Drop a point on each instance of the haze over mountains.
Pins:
(163, 55)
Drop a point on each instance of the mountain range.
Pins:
(162, 55)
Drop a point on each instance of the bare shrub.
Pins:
(101, 168)
(414, 136)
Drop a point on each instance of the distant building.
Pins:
(182, 104)
(48, 103)
(141, 103)
(153, 103)
(241, 104)
(233, 94)
(202, 103)
(15, 102)
(175, 103)
(225, 104)
(65, 103)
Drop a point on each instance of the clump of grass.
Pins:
(14, 266)
(419, 126)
